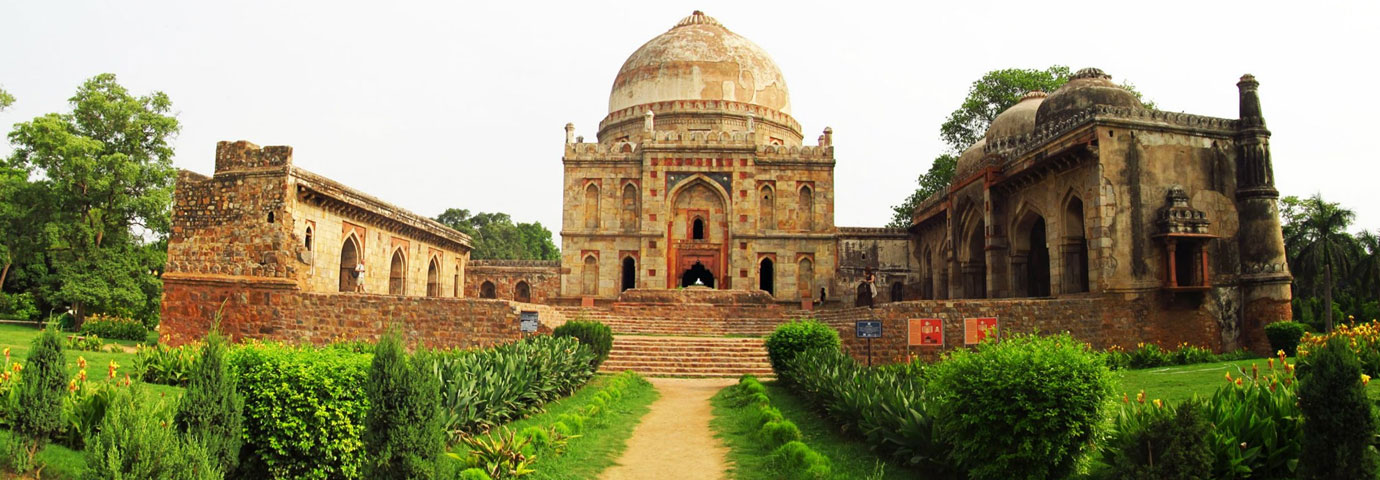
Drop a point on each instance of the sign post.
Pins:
(869, 329)
(528, 321)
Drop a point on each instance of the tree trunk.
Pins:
(4, 272)
(1327, 297)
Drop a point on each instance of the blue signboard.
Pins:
(870, 329)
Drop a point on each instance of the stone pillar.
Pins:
(1265, 276)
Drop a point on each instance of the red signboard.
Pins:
(926, 332)
(975, 330)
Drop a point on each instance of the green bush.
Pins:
(83, 412)
(1156, 441)
(1285, 336)
(42, 387)
(86, 343)
(597, 336)
(18, 306)
(403, 428)
(1257, 425)
(792, 338)
(211, 410)
(166, 365)
(139, 442)
(481, 389)
(473, 474)
(303, 411)
(1338, 424)
(114, 327)
(1025, 407)
(778, 432)
(801, 462)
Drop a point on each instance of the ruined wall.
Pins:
(542, 279)
(883, 251)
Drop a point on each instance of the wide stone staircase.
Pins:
(667, 356)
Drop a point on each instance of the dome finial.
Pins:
(697, 18)
(1090, 72)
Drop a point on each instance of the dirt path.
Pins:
(674, 440)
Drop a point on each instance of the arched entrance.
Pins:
(433, 279)
(522, 292)
(898, 290)
(397, 273)
(766, 276)
(349, 259)
(486, 290)
(589, 278)
(629, 273)
(697, 275)
(1075, 248)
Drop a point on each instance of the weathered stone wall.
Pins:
(541, 277)
(1101, 320)
(278, 311)
(883, 251)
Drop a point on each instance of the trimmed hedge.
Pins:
(597, 336)
(481, 389)
(1285, 336)
(795, 458)
(790, 339)
(107, 326)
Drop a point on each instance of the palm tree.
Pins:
(1368, 261)
(1322, 245)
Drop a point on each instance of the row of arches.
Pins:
(766, 276)
(805, 208)
(630, 212)
(522, 291)
(352, 270)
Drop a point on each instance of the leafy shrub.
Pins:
(1025, 407)
(42, 386)
(1257, 424)
(166, 365)
(778, 432)
(1363, 340)
(887, 406)
(114, 327)
(403, 428)
(303, 411)
(1157, 441)
(1191, 354)
(141, 443)
(18, 306)
(1338, 424)
(484, 388)
(500, 455)
(801, 462)
(474, 474)
(597, 336)
(1285, 336)
(211, 411)
(84, 409)
(797, 336)
(1149, 355)
(86, 343)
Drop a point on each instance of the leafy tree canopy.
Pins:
(100, 182)
(495, 236)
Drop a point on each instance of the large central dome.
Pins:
(699, 59)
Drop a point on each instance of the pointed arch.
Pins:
(433, 278)
(1030, 272)
(805, 208)
(629, 276)
(308, 238)
(589, 276)
(397, 273)
(1076, 268)
(522, 292)
(487, 290)
(973, 258)
(766, 276)
(632, 209)
(766, 208)
(350, 265)
(591, 204)
(805, 277)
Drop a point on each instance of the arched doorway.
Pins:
(1037, 270)
(589, 277)
(1075, 248)
(898, 290)
(397, 273)
(766, 276)
(697, 275)
(697, 229)
(975, 266)
(699, 233)
(349, 260)
(629, 273)
(522, 292)
(486, 290)
(766, 209)
(592, 206)
(805, 278)
(433, 279)
(631, 214)
(805, 211)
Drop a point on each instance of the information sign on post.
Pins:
(529, 321)
(975, 330)
(926, 332)
(869, 329)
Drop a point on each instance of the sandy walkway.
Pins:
(674, 440)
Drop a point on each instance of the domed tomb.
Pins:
(700, 67)
(1017, 120)
(1088, 87)
(970, 160)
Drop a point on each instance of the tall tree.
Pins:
(5, 100)
(495, 236)
(935, 180)
(1368, 262)
(105, 172)
(1321, 245)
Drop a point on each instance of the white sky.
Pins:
(463, 104)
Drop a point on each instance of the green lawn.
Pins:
(849, 456)
(1175, 384)
(18, 338)
(603, 439)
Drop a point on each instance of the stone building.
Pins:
(699, 175)
(1084, 191)
(529, 281)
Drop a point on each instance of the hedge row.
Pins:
(791, 454)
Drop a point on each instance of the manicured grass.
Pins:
(18, 338)
(1176, 384)
(849, 455)
(603, 439)
(58, 462)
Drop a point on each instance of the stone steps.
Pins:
(688, 356)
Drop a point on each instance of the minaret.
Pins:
(1265, 277)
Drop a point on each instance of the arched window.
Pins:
(766, 209)
(433, 279)
(1030, 258)
(350, 280)
(486, 290)
(522, 292)
(805, 278)
(589, 278)
(592, 206)
(898, 290)
(1075, 248)
(270, 217)
(631, 213)
(397, 273)
(805, 211)
(975, 266)
(629, 273)
(766, 276)
(455, 286)
(697, 229)
(308, 239)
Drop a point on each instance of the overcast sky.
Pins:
(463, 104)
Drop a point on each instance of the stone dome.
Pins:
(1017, 120)
(970, 160)
(1088, 87)
(699, 59)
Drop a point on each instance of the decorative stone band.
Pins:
(628, 151)
(514, 263)
(1016, 147)
(353, 203)
(873, 232)
(759, 113)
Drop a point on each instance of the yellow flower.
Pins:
(1158, 403)
(18, 368)
(1228, 376)
(81, 362)
(1271, 363)
(112, 368)
(1124, 398)
(1365, 379)
(72, 386)
(1140, 397)
(82, 375)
